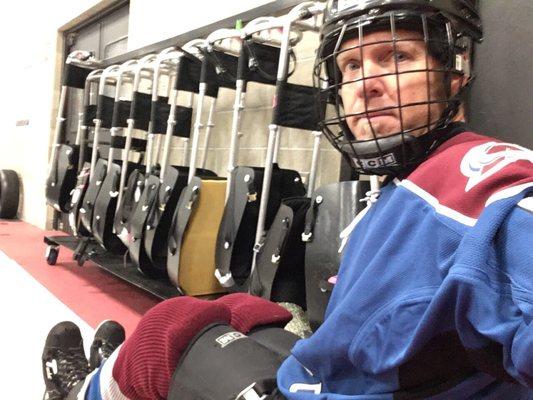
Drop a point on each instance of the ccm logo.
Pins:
(387, 159)
(229, 338)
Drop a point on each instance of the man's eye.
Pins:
(351, 66)
(401, 56)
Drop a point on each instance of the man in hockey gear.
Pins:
(147, 365)
(433, 297)
(395, 71)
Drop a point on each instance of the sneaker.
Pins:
(108, 336)
(63, 360)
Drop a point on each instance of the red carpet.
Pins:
(90, 292)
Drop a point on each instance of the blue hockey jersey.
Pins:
(434, 297)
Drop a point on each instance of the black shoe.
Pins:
(108, 336)
(63, 360)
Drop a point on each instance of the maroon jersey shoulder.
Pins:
(465, 171)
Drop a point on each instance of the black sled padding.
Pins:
(95, 184)
(220, 364)
(137, 222)
(280, 272)
(236, 235)
(332, 209)
(130, 197)
(104, 211)
(62, 178)
(76, 202)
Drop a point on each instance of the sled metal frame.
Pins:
(114, 264)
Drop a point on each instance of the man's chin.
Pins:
(366, 132)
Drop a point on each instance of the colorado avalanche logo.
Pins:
(485, 160)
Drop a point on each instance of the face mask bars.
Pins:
(64, 158)
(406, 147)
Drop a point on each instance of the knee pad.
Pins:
(222, 363)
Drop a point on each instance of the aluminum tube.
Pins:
(276, 147)
(168, 135)
(96, 138)
(196, 130)
(80, 140)
(149, 151)
(259, 232)
(238, 106)
(111, 154)
(209, 126)
(311, 182)
(125, 162)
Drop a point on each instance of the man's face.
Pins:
(377, 92)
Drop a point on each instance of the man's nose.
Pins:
(373, 83)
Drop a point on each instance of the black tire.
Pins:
(9, 193)
(51, 255)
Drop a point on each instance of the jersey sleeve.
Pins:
(493, 281)
(514, 252)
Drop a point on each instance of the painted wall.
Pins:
(29, 86)
(149, 24)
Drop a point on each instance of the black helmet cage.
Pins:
(447, 38)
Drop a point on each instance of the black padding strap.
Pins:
(89, 115)
(141, 105)
(121, 112)
(258, 63)
(160, 112)
(183, 122)
(104, 110)
(296, 107)
(209, 77)
(188, 77)
(75, 76)
(224, 68)
(119, 142)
